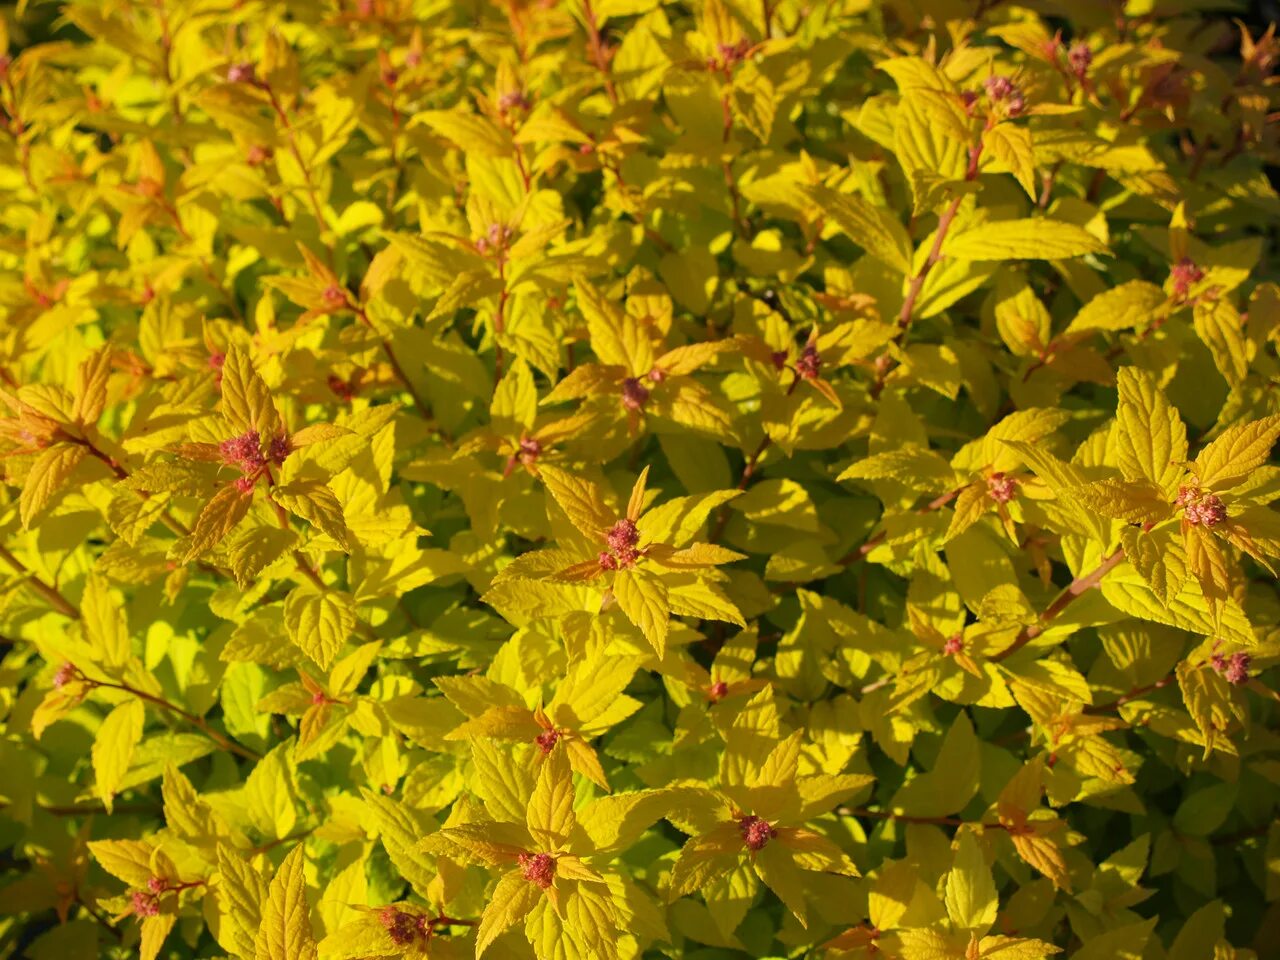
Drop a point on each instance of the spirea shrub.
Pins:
(627, 478)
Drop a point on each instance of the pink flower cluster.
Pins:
(1199, 508)
(634, 394)
(1185, 275)
(403, 928)
(1233, 669)
(756, 832)
(539, 868)
(1003, 91)
(621, 541)
(1001, 487)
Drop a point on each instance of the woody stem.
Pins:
(50, 593)
(198, 722)
(1079, 586)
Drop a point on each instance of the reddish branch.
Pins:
(200, 723)
(908, 818)
(49, 592)
(1079, 586)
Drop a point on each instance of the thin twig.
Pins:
(50, 593)
(1077, 588)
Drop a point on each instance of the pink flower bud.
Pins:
(622, 535)
(1080, 57)
(1200, 509)
(634, 394)
(756, 832)
(279, 449)
(547, 740)
(244, 451)
(538, 868)
(335, 297)
(1184, 275)
(241, 72)
(401, 927)
(144, 904)
(999, 87)
(1238, 669)
(257, 154)
(1001, 487)
(64, 675)
(810, 364)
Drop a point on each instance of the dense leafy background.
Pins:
(619, 478)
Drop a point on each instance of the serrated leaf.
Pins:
(319, 624)
(1041, 239)
(642, 597)
(46, 477)
(285, 932)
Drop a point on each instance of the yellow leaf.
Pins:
(270, 794)
(774, 865)
(218, 518)
(590, 690)
(515, 400)
(246, 399)
(127, 860)
(113, 748)
(971, 893)
(1011, 145)
(874, 229)
(1015, 948)
(1237, 452)
(1219, 325)
(319, 623)
(104, 624)
(47, 476)
(550, 815)
(1039, 239)
(1150, 438)
(1125, 307)
(285, 933)
(1043, 854)
(1136, 501)
(468, 132)
(511, 901)
(643, 599)
(580, 500)
(242, 891)
(154, 931)
(91, 395)
(315, 503)
(616, 338)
